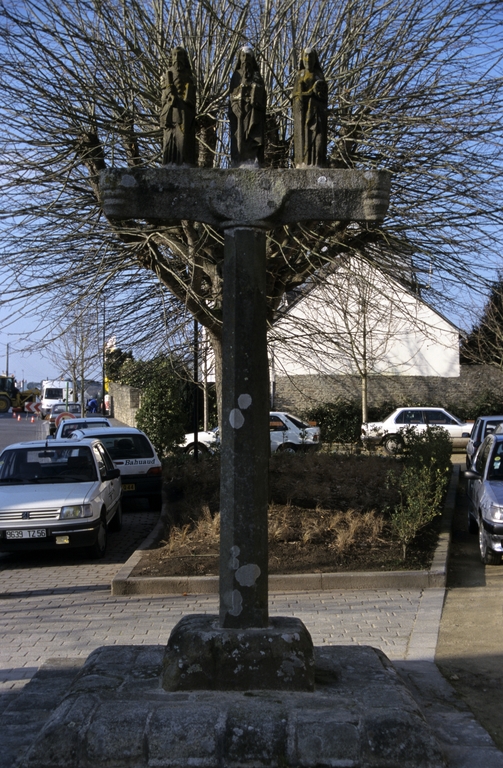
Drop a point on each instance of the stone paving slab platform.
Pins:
(116, 714)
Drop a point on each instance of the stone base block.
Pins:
(201, 655)
(117, 715)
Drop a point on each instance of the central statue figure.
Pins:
(247, 111)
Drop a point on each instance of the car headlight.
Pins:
(76, 510)
(495, 512)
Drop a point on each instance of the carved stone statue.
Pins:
(310, 112)
(248, 101)
(178, 113)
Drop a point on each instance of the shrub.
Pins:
(339, 421)
(421, 490)
(163, 400)
(421, 484)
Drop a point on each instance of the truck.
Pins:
(54, 391)
(11, 397)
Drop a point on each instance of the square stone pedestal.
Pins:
(202, 655)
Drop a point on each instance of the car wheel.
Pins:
(393, 444)
(4, 404)
(201, 449)
(116, 521)
(99, 547)
(287, 448)
(487, 555)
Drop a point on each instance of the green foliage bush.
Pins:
(339, 421)
(421, 483)
(163, 412)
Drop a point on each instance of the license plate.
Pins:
(128, 486)
(38, 533)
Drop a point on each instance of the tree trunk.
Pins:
(364, 398)
(216, 345)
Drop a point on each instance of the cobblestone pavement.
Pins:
(60, 607)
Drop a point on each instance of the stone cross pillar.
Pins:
(245, 432)
(244, 202)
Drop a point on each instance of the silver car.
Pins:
(484, 425)
(58, 494)
(485, 495)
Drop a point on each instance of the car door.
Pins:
(410, 417)
(443, 419)
(278, 432)
(110, 488)
(475, 486)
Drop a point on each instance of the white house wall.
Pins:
(323, 333)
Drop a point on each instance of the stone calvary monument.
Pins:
(240, 688)
(244, 201)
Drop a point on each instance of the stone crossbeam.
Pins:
(244, 196)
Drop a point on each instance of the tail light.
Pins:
(155, 471)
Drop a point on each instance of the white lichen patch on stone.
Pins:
(236, 418)
(247, 575)
(244, 401)
(128, 181)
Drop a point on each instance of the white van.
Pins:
(53, 392)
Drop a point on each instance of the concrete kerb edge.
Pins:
(125, 584)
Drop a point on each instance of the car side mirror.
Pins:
(465, 434)
(472, 474)
(113, 474)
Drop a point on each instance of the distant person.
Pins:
(92, 405)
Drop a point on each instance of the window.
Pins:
(482, 457)
(438, 417)
(126, 446)
(410, 417)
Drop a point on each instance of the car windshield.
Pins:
(126, 446)
(495, 471)
(47, 465)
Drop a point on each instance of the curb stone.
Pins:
(125, 584)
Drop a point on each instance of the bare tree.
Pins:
(77, 353)
(413, 87)
(356, 320)
(484, 343)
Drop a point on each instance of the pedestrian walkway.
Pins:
(64, 610)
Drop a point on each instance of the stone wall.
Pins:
(299, 393)
(125, 403)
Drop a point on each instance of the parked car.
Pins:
(57, 414)
(288, 433)
(207, 441)
(134, 455)
(484, 425)
(389, 433)
(68, 426)
(57, 495)
(485, 496)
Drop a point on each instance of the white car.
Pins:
(134, 455)
(485, 494)
(288, 433)
(68, 426)
(58, 495)
(389, 433)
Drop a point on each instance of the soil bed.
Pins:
(327, 513)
